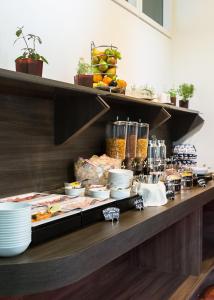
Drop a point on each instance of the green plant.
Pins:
(172, 93)
(83, 67)
(149, 90)
(186, 91)
(29, 52)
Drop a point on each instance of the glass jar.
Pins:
(116, 139)
(153, 158)
(173, 182)
(162, 154)
(186, 178)
(142, 141)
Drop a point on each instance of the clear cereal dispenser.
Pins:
(142, 141)
(131, 141)
(116, 139)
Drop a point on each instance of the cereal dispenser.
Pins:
(116, 133)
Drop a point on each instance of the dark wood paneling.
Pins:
(117, 280)
(29, 158)
(177, 249)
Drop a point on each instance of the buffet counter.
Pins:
(69, 259)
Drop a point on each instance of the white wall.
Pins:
(193, 61)
(68, 26)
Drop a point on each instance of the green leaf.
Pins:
(39, 40)
(20, 57)
(18, 32)
(37, 56)
(43, 59)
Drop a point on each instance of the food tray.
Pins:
(29, 197)
(55, 228)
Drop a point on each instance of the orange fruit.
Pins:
(121, 83)
(97, 77)
(107, 80)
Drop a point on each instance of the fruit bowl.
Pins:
(104, 66)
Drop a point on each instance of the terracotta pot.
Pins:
(29, 66)
(85, 80)
(183, 103)
(173, 100)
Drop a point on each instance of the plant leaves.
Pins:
(44, 59)
(39, 40)
(19, 32)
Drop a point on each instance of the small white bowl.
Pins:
(99, 193)
(69, 191)
(120, 193)
(13, 251)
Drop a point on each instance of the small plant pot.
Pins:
(184, 104)
(29, 66)
(85, 80)
(173, 100)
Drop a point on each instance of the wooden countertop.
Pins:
(67, 259)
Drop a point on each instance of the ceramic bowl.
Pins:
(74, 192)
(120, 193)
(99, 193)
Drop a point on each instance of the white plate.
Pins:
(13, 251)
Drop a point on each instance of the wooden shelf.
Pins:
(78, 107)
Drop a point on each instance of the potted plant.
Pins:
(147, 92)
(186, 92)
(84, 74)
(30, 61)
(172, 93)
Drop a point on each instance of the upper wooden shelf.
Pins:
(11, 78)
(70, 100)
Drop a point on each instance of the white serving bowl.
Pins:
(120, 193)
(120, 178)
(99, 193)
(74, 192)
(13, 251)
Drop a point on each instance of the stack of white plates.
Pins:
(15, 228)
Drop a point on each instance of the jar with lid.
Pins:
(186, 178)
(142, 141)
(172, 180)
(116, 139)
